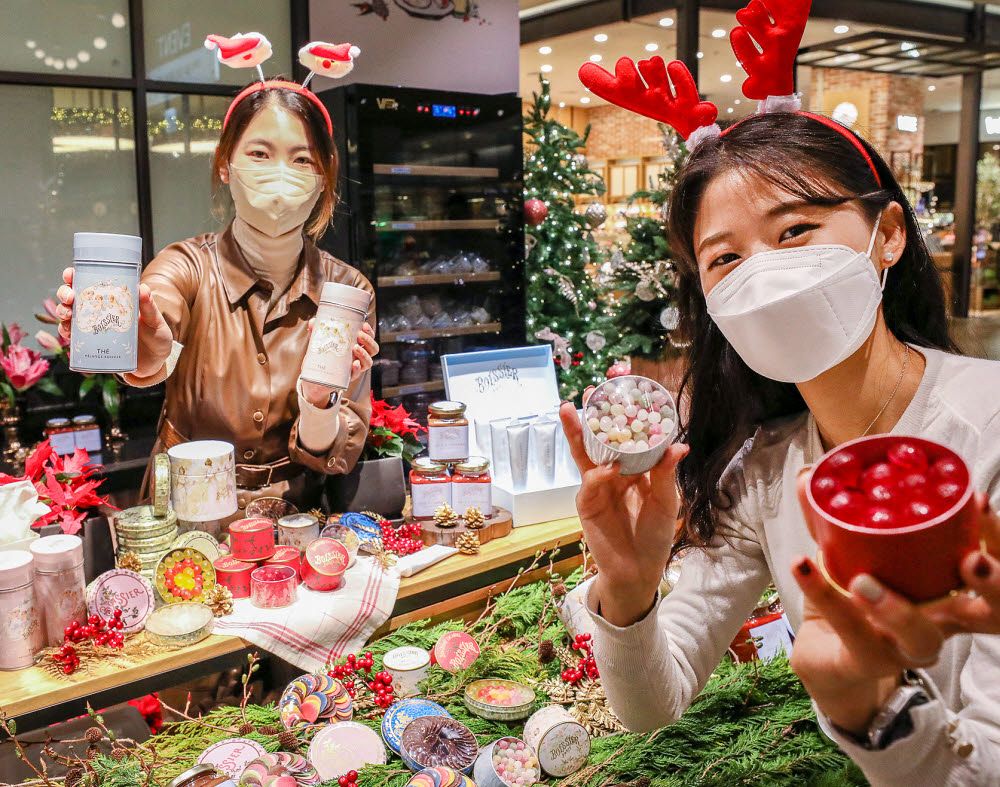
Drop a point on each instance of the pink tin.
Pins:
(273, 587)
(233, 574)
(286, 556)
(21, 628)
(60, 585)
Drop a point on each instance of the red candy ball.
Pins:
(917, 511)
(878, 474)
(881, 517)
(826, 486)
(846, 466)
(946, 469)
(908, 456)
(913, 484)
(948, 493)
(846, 505)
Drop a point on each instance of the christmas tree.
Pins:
(640, 281)
(563, 299)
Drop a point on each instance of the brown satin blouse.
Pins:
(235, 379)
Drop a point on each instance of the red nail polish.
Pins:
(804, 568)
(982, 568)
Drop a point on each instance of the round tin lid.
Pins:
(203, 542)
(402, 713)
(424, 465)
(343, 747)
(230, 565)
(298, 520)
(122, 589)
(53, 423)
(107, 247)
(283, 553)
(406, 658)
(202, 457)
(232, 756)
(474, 464)
(16, 569)
(57, 553)
(142, 522)
(327, 557)
(455, 651)
(447, 409)
(345, 295)
(251, 525)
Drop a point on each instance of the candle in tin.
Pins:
(408, 666)
(21, 628)
(60, 584)
(273, 587)
(298, 530)
(342, 311)
(105, 332)
(324, 564)
(252, 539)
(233, 574)
(286, 556)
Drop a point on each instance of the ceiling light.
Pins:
(118, 20)
(601, 38)
(49, 60)
(562, 104)
(585, 100)
(596, 58)
(906, 46)
(545, 50)
(666, 22)
(931, 88)
(100, 43)
(651, 47)
(729, 110)
(718, 33)
(83, 56)
(71, 63)
(726, 78)
(30, 44)
(701, 55)
(58, 64)
(737, 102)
(841, 29)
(546, 68)
(39, 53)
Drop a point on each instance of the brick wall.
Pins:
(618, 133)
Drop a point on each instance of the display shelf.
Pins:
(405, 390)
(435, 224)
(437, 278)
(424, 170)
(439, 333)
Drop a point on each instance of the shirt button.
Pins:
(241, 502)
(248, 454)
(261, 358)
(258, 416)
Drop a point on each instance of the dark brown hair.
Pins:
(319, 139)
(726, 400)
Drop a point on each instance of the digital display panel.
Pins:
(444, 111)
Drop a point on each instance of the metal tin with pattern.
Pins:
(298, 530)
(162, 627)
(494, 711)
(408, 666)
(416, 760)
(141, 522)
(203, 542)
(252, 539)
(154, 544)
(161, 484)
(560, 741)
(233, 574)
(121, 589)
(455, 651)
(368, 529)
(232, 755)
(324, 564)
(402, 713)
(343, 747)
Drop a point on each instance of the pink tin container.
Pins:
(22, 631)
(273, 587)
(60, 584)
(233, 574)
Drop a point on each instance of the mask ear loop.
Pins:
(884, 276)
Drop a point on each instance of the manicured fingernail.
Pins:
(804, 568)
(982, 568)
(866, 587)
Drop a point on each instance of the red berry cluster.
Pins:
(349, 780)
(902, 488)
(403, 541)
(587, 666)
(102, 632)
(354, 667)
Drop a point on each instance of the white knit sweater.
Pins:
(653, 669)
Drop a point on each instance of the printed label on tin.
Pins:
(105, 306)
(105, 329)
(332, 336)
(448, 442)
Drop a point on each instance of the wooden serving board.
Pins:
(499, 524)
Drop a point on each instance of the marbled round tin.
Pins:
(298, 530)
(560, 741)
(343, 747)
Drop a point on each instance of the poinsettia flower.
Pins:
(10, 479)
(79, 462)
(55, 344)
(71, 521)
(51, 316)
(23, 367)
(35, 463)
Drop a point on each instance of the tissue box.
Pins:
(24, 543)
(531, 507)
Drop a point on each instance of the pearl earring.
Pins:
(887, 256)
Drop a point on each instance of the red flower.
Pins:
(66, 486)
(55, 344)
(15, 333)
(22, 366)
(51, 316)
(395, 419)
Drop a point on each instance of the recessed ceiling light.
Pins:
(100, 43)
(83, 56)
(718, 33)
(49, 60)
(562, 103)
(666, 22)
(545, 50)
(601, 38)
(71, 63)
(118, 20)
(841, 29)
(585, 100)
(30, 44)
(546, 68)
(726, 78)
(596, 58)
(58, 64)
(729, 110)
(737, 102)
(701, 55)
(39, 53)
(651, 47)
(931, 88)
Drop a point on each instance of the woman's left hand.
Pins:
(850, 651)
(365, 349)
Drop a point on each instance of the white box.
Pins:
(541, 505)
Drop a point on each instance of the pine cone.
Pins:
(220, 600)
(288, 740)
(546, 651)
(92, 752)
(559, 590)
(94, 735)
(269, 729)
(319, 516)
(129, 561)
(467, 543)
(474, 518)
(445, 516)
(119, 755)
(73, 777)
(246, 729)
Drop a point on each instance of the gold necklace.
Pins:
(906, 358)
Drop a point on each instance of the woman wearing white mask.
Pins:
(225, 316)
(816, 316)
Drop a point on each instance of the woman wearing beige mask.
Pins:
(225, 317)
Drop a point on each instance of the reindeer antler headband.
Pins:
(249, 50)
(766, 50)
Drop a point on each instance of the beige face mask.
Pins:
(274, 199)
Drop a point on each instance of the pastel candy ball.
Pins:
(605, 407)
(617, 409)
(655, 417)
(594, 424)
(631, 410)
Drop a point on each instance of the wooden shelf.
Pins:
(437, 278)
(420, 170)
(439, 333)
(431, 225)
(405, 390)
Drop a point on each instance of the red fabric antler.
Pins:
(679, 106)
(771, 61)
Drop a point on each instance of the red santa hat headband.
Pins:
(249, 50)
(766, 50)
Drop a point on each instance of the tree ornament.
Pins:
(665, 212)
(617, 259)
(535, 211)
(595, 214)
(565, 286)
(596, 341)
(645, 291)
(220, 600)
(585, 256)
(320, 516)
(467, 543)
(474, 519)
(580, 161)
(670, 318)
(445, 516)
(129, 561)
(619, 369)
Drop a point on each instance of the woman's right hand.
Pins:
(155, 338)
(629, 523)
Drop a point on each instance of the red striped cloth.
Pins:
(320, 626)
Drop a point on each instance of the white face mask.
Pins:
(274, 199)
(792, 314)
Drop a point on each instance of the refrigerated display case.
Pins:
(431, 211)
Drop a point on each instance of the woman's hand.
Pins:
(850, 651)
(155, 338)
(629, 524)
(365, 349)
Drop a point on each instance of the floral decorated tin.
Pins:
(22, 629)
(203, 480)
(560, 741)
(232, 755)
(402, 713)
(252, 539)
(233, 574)
(344, 747)
(408, 666)
(324, 564)
(345, 536)
(273, 587)
(286, 556)
(298, 530)
(499, 700)
(179, 625)
(455, 651)
(125, 590)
